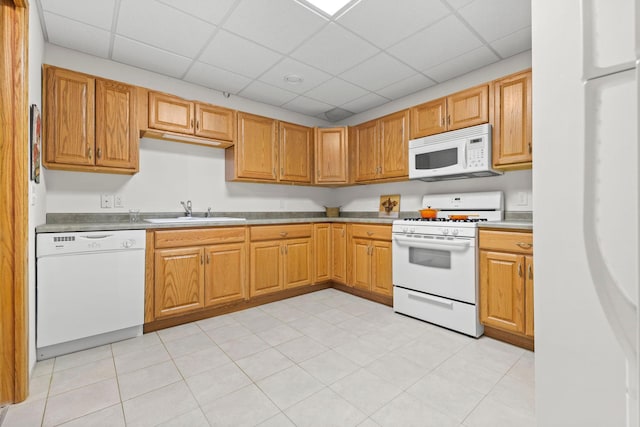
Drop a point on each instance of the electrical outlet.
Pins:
(118, 201)
(106, 201)
(522, 199)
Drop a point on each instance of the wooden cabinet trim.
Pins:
(508, 241)
(280, 232)
(368, 231)
(198, 237)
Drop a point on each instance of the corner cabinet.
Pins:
(469, 107)
(506, 283)
(198, 268)
(90, 124)
(380, 149)
(512, 136)
(370, 258)
(331, 156)
(281, 258)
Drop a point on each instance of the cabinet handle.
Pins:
(530, 272)
(274, 171)
(191, 125)
(197, 124)
(286, 250)
(449, 120)
(90, 153)
(208, 258)
(442, 122)
(281, 171)
(369, 233)
(529, 148)
(342, 232)
(284, 233)
(201, 259)
(524, 245)
(99, 153)
(519, 270)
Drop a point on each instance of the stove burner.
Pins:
(446, 219)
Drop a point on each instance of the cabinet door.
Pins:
(266, 268)
(381, 277)
(394, 145)
(502, 292)
(69, 117)
(512, 122)
(361, 263)
(225, 273)
(215, 122)
(365, 147)
(295, 144)
(179, 278)
(339, 253)
(322, 248)
(297, 270)
(468, 108)
(256, 148)
(331, 156)
(528, 297)
(116, 125)
(429, 118)
(171, 113)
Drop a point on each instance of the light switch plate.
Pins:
(106, 201)
(118, 201)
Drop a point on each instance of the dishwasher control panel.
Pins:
(90, 241)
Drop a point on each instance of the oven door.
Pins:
(437, 265)
(437, 159)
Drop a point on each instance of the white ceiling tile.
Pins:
(493, 19)
(307, 106)
(434, 45)
(513, 43)
(216, 78)
(98, 13)
(148, 57)
(268, 94)
(406, 87)
(164, 27)
(78, 36)
(236, 54)
(462, 64)
(365, 103)
(280, 24)
(210, 11)
(334, 50)
(377, 72)
(312, 77)
(385, 22)
(336, 92)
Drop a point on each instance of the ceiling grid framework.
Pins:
(369, 53)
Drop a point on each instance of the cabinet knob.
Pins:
(90, 153)
(530, 272)
(283, 233)
(369, 233)
(99, 153)
(524, 245)
(519, 270)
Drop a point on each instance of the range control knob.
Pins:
(445, 231)
(455, 231)
(405, 229)
(412, 230)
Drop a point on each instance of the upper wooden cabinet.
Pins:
(462, 109)
(204, 124)
(331, 156)
(512, 122)
(89, 123)
(295, 152)
(380, 148)
(270, 151)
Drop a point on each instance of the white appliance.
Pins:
(463, 153)
(435, 274)
(90, 289)
(585, 188)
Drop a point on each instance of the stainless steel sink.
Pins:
(193, 219)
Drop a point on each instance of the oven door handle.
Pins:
(452, 245)
(431, 299)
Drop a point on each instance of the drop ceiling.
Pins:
(369, 53)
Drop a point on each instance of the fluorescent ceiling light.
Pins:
(329, 7)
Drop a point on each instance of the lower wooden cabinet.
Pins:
(339, 253)
(506, 281)
(370, 258)
(188, 277)
(322, 249)
(281, 258)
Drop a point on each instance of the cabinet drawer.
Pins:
(199, 237)
(509, 241)
(275, 232)
(378, 232)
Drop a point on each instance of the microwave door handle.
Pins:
(464, 155)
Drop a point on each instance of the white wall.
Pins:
(367, 197)
(37, 192)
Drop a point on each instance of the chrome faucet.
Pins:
(208, 214)
(187, 208)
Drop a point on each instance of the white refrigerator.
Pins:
(585, 189)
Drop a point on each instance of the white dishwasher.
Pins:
(90, 289)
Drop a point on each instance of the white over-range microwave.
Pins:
(464, 153)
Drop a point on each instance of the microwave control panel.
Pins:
(478, 154)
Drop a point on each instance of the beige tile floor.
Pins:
(321, 359)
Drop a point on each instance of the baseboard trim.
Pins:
(508, 337)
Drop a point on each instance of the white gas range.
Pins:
(435, 274)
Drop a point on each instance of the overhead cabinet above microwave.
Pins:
(460, 110)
